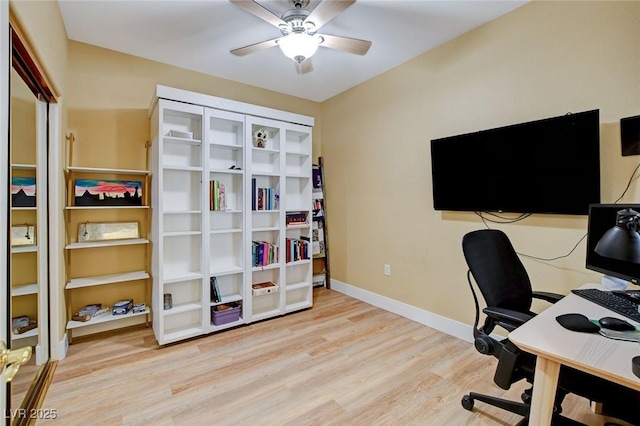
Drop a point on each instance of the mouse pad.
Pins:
(631, 336)
(577, 322)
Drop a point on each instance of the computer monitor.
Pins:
(602, 217)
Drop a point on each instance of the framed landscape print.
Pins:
(23, 192)
(94, 192)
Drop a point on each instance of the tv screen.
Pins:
(544, 166)
(602, 217)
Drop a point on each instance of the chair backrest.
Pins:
(497, 269)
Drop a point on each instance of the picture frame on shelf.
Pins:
(108, 231)
(23, 235)
(23, 191)
(97, 192)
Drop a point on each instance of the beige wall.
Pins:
(542, 60)
(102, 79)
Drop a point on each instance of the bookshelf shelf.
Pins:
(24, 166)
(104, 319)
(25, 249)
(24, 289)
(179, 309)
(106, 171)
(106, 279)
(113, 243)
(31, 333)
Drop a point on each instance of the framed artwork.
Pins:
(23, 235)
(23, 192)
(92, 192)
(107, 231)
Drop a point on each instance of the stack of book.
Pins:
(296, 218)
(217, 200)
(297, 249)
(263, 198)
(263, 253)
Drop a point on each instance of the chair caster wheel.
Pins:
(526, 398)
(467, 403)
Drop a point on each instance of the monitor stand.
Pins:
(613, 283)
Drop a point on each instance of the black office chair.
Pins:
(506, 289)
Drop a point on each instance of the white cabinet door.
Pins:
(178, 222)
(225, 240)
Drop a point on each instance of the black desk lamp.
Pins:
(622, 242)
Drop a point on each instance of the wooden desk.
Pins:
(555, 346)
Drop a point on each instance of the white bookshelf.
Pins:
(195, 240)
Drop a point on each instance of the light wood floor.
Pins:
(343, 362)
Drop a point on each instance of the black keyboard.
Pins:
(611, 301)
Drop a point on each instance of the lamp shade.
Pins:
(299, 46)
(622, 242)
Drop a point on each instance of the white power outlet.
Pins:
(387, 269)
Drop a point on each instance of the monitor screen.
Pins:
(545, 166)
(602, 217)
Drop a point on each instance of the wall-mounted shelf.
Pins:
(88, 279)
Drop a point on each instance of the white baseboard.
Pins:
(435, 321)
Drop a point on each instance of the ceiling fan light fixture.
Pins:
(299, 46)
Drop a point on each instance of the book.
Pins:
(215, 290)
(222, 201)
(260, 289)
(90, 309)
(317, 176)
(253, 194)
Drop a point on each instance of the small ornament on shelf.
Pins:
(260, 138)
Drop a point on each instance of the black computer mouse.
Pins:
(616, 324)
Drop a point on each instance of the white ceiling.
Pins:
(198, 35)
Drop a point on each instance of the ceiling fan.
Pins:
(298, 26)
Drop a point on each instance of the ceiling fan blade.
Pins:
(243, 51)
(327, 10)
(351, 45)
(259, 11)
(305, 67)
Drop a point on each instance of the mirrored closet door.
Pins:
(28, 217)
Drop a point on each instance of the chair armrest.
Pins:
(513, 318)
(549, 297)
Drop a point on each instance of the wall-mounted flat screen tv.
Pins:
(544, 166)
